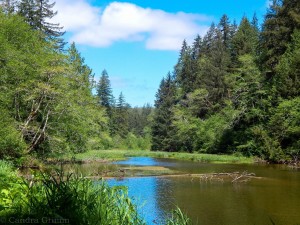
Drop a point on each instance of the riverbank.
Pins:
(114, 155)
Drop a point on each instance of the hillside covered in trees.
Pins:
(47, 100)
(235, 90)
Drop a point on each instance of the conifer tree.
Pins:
(27, 9)
(287, 81)
(121, 117)
(213, 67)
(224, 27)
(208, 38)
(246, 39)
(104, 91)
(185, 77)
(162, 128)
(81, 73)
(196, 48)
(37, 13)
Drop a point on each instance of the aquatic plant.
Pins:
(178, 218)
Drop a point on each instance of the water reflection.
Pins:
(272, 199)
(146, 161)
(153, 195)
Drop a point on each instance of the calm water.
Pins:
(274, 199)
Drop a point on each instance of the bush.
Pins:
(11, 144)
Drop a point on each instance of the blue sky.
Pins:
(137, 42)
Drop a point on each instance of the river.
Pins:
(271, 197)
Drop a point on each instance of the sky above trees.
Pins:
(138, 41)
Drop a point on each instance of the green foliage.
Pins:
(287, 81)
(280, 23)
(71, 199)
(162, 129)
(139, 120)
(120, 117)
(6, 170)
(245, 40)
(37, 14)
(104, 91)
(178, 218)
(284, 126)
(11, 144)
(10, 185)
(46, 96)
(223, 102)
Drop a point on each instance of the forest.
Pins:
(236, 90)
(233, 91)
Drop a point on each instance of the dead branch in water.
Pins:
(235, 177)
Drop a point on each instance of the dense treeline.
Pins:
(128, 127)
(47, 103)
(236, 90)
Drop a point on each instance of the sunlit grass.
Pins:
(112, 155)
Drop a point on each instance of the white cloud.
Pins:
(118, 21)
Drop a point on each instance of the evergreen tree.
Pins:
(254, 23)
(245, 40)
(185, 76)
(139, 120)
(209, 38)
(213, 70)
(280, 22)
(270, 45)
(104, 91)
(287, 81)
(81, 73)
(196, 48)
(224, 27)
(121, 117)
(27, 9)
(37, 13)
(162, 128)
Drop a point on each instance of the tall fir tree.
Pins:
(280, 22)
(37, 14)
(245, 40)
(27, 9)
(104, 91)
(162, 128)
(196, 48)
(213, 68)
(120, 117)
(185, 77)
(81, 73)
(224, 27)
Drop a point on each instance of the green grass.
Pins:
(70, 200)
(113, 155)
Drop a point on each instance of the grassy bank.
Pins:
(113, 155)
